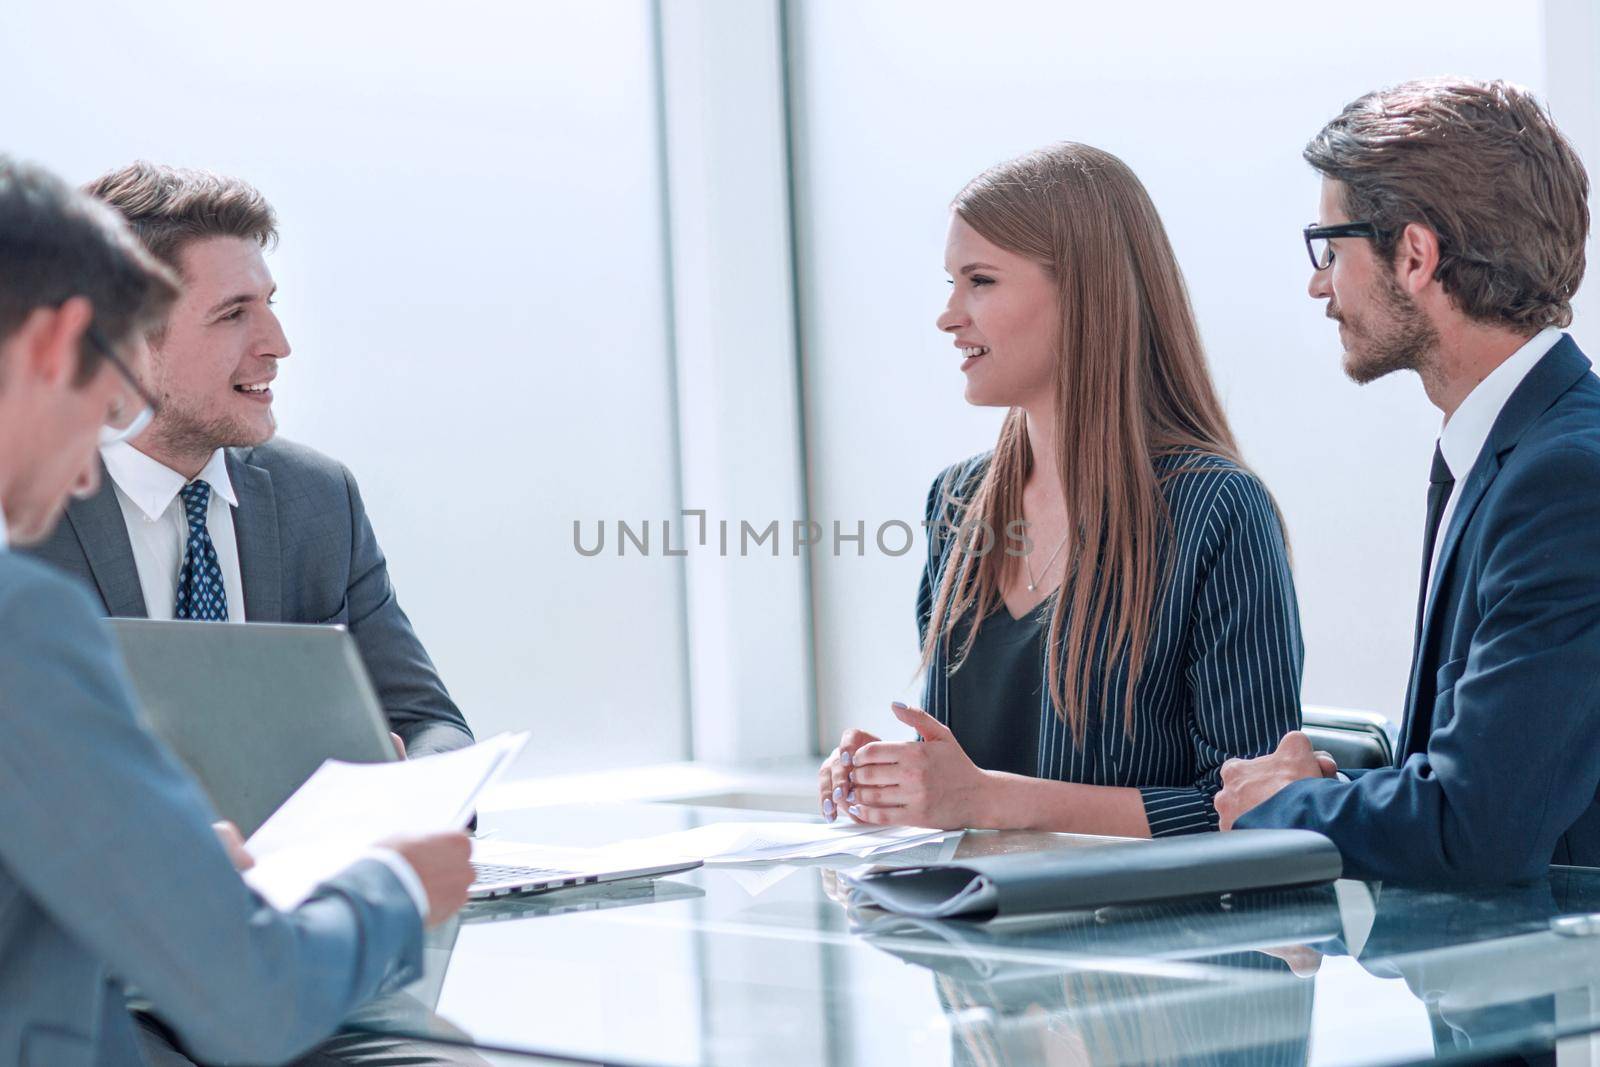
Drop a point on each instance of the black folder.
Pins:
(1125, 873)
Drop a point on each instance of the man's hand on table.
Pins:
(1249, 783)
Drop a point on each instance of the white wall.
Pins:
(471, 274)
(1572, 76)
(900, 103)
(749, 622)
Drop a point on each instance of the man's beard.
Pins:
(1402, 338)
(186, 432)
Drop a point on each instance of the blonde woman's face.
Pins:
(1003, 318)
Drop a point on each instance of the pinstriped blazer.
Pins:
(1221, 676)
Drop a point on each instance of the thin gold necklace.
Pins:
(1033, 583)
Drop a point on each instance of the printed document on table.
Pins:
(771, 842)
(346, 808)
(720, 844)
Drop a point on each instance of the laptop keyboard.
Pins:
(500, 879)
(500, 872)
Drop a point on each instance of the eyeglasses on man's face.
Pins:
(126, 420)
(1319, 244)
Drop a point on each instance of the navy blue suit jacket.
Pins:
(1499, 763)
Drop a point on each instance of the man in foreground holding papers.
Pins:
(110, 874)
(1450, 242)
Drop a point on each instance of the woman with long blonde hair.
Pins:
(1107, 612)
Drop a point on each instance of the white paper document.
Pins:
(345, 808)
(817, 840)
(721, 844)
(770, 842)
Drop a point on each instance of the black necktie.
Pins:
(1440, 482)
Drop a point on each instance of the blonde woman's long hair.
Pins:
(1131, 385)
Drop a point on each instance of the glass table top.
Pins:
(766, 965)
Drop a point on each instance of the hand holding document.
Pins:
(346, 808)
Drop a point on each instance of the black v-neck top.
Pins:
(995, 695)
(1221, 672)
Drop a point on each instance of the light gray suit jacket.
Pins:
(111, 876)
(307, 554)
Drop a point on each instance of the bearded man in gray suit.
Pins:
(205, 515)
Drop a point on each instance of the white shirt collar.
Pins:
(1467, 430)
(152, 485)
(5, 535)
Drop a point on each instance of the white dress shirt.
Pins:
(158, 528)
(5, 535)
(405, 874)
(1466, 431)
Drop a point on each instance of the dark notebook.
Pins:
(1125, 873)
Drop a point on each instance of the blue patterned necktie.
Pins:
(200, 592)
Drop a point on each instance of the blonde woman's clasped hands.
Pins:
(929, 782)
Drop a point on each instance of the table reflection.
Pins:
(1056, 990)
(769, 965)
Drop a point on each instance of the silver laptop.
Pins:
(499, 880)
(252, 709)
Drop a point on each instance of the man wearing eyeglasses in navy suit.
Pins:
(1450, 242)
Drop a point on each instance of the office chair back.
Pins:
(1355, 739)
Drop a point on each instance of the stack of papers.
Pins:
(774, 842)
(720, 844)
(345, 809)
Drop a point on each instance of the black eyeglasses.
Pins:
(1317, 240)
(122, 425)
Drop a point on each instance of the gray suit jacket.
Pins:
(307, 554)
(110, 874)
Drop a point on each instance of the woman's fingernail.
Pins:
(897, 706)
(844, 758)
(852, 797)
(854, 810)
(838, 791)
(827, 807)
